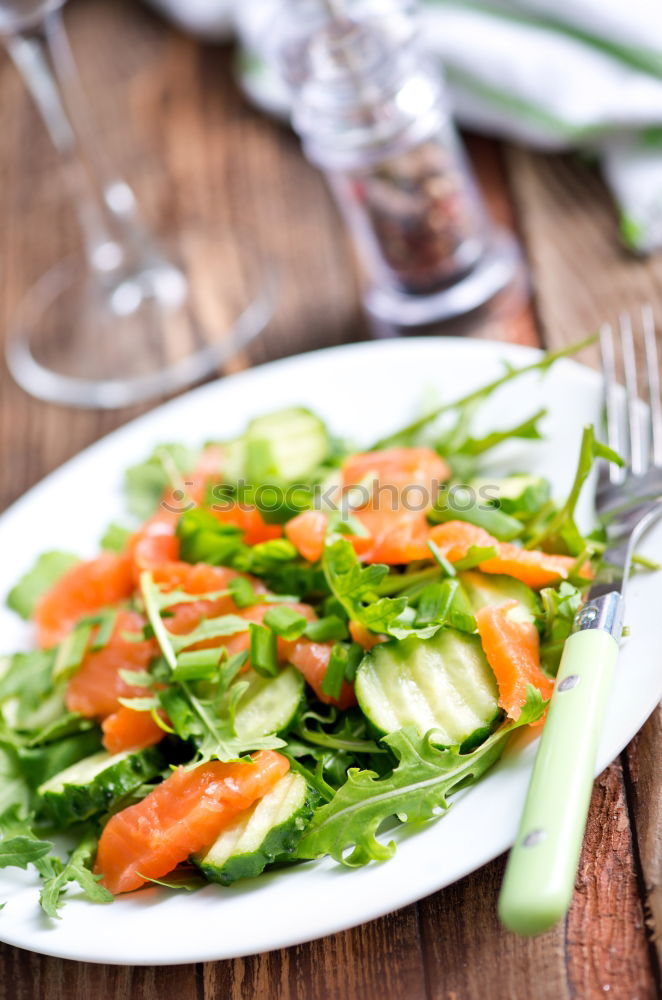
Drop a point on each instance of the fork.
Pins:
(540, 875)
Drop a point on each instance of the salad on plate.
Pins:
(297, 646)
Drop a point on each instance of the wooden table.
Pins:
(199, 154)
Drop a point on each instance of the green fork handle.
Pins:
(541, 870)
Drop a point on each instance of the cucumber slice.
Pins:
(519, 495)
(268, 831)
(442, 683)
(269, 703)
(484, 590)
(38, 764)
(92, 784)
(287, 445)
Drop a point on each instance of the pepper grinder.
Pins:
(370, 109)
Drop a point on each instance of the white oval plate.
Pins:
(363, 391)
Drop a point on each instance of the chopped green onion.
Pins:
(106, 621)
(325, 629)
(286, 622)
(447, 566)
(242, 592)
(475, 556)
(71, 652)
(335, 672)
(343, 664)
(264, 650)
(197, 665)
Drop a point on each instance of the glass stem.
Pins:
(116, 245)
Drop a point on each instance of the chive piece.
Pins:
(197, 665)
(242, 592)
(71, 652)
(264, 650)
(354, 656)
(435, 602)
(324, 629)
(286, 622)
(335, 672)
(106, 625)
(447, 566)
(491, 519)
(476, 555)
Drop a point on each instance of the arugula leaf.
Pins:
(115, 537)
(14, 790)
(21, 851)
(408, 434)
(194, 714)
(561, 531)
(28, 692)
(47, 570)
(526, 430)
(494, 521)
(186, 878)
(356, 588)
(417, 789)
(77, 870)
(144, 483)
(19, 846)
(203, 538)
(559, 607)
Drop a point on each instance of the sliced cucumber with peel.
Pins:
(289, 444)
(268, 831)
(269, 704)
(484, 589)
(90, 786)
(443, 683)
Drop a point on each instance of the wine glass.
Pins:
(125, 320)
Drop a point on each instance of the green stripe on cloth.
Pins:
(521, 108)
(647, 60)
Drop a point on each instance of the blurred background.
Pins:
(558, 108)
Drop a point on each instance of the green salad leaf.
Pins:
(559, 607)
(561, 533)
(356, 588)
(409, 434)
(20, 851)
(144, 483)
(115, 537)
(417, 789)
(75, 870)
(47, 570)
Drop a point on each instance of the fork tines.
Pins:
(634, 430)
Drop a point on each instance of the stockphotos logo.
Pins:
(330, 497)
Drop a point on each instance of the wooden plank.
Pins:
(582, 275)
(24, 976)
(378, 960)
(469, 955)
(607, 946)
(644, 770)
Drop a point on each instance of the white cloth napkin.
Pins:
(554, 74)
